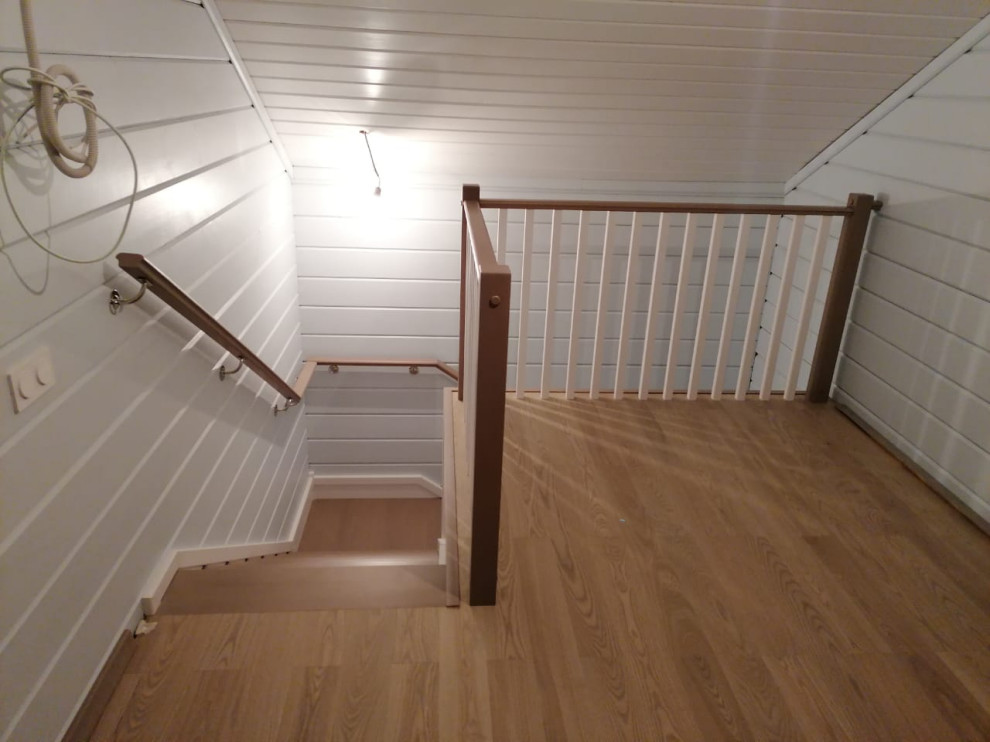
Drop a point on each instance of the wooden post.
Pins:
(468, 193)
(493, 328)
(839, 296)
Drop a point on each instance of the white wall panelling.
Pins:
(290, 531)
(377, 421)
(139, 449)
(915, 359)
(379, 278)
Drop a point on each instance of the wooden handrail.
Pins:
(388, 362)
(647, 207)
(162, 286)
(483, 252)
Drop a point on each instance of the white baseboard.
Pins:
(176, 559)
(373, 487)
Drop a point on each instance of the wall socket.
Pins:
(31, 378)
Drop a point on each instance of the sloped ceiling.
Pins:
(733, 91)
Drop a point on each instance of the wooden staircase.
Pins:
(379, 553)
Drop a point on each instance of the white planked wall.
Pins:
(916, 356)
(379, 278)
(139, 448)
(381, 421)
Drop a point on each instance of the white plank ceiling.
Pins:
(733, 91)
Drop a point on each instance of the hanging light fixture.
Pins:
(371, 155)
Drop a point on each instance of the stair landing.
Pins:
(353, 554)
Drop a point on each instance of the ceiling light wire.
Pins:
(378, 188)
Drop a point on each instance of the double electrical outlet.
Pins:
(31, 378)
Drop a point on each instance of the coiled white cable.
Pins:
(49, 97)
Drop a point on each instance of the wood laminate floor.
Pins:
(683, 571)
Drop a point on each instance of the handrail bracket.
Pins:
(288, 404)
(223, 373)
(117, 301)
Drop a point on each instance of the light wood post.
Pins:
(468, 193)
(839, 296)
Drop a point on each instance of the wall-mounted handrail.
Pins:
(162, 286)
(410, 363)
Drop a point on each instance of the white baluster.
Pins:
(756, 305)
(501, 235)
(786, 279)
(627, 306)
(596, 359)
(651, 317)
(810, 289)
(707, 288)
(575, 335)
(725, 339)
(680, 299)
(548, 333)
(524, 281)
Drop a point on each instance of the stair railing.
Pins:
(759, 252)
(677, 299)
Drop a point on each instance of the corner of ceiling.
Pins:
(928, 73)
(235, 59)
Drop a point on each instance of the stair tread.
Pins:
(275, 587)
(372, 524)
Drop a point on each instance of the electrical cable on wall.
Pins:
(48, 99)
